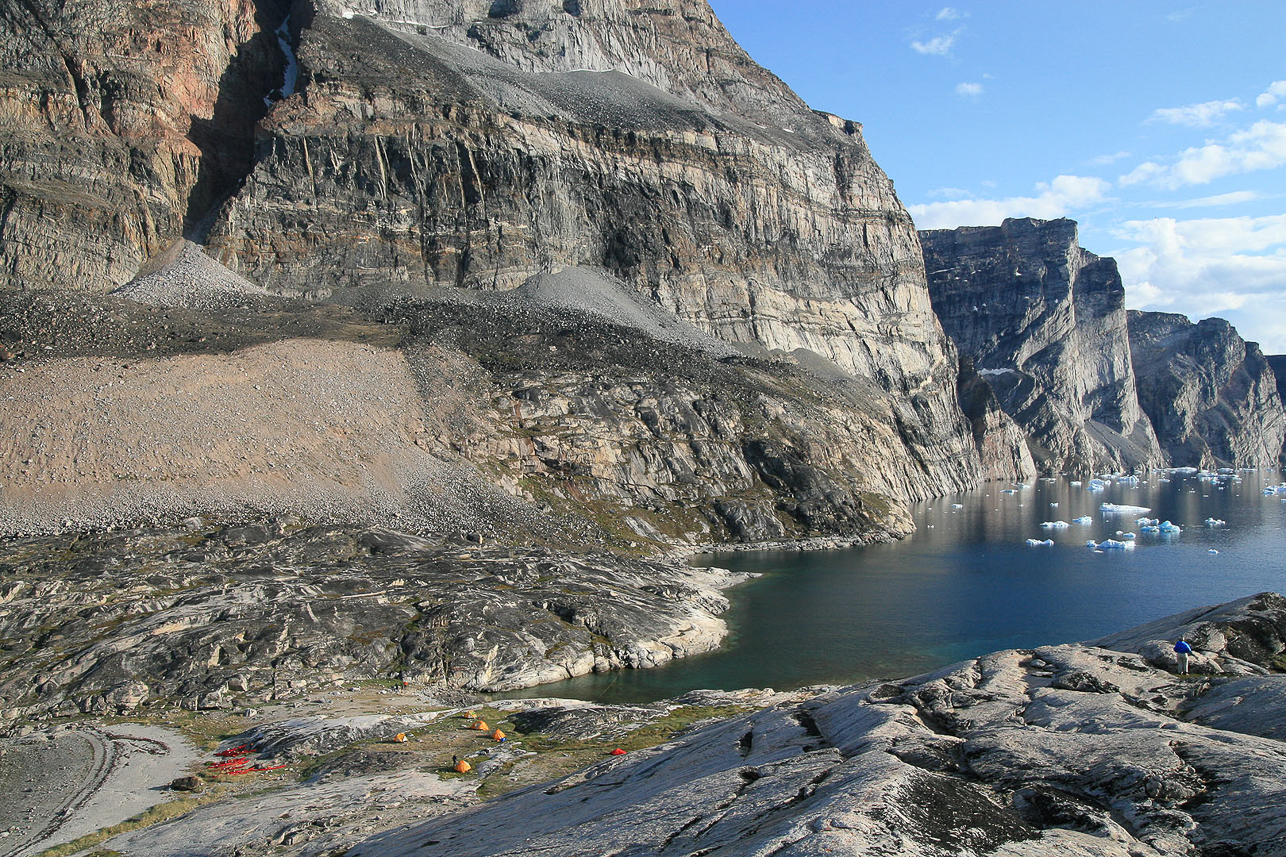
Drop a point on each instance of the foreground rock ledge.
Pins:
(1071, 749)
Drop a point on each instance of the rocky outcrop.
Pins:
(1044, 323)
(236, 616)
(1211, 396)
(1071, 749)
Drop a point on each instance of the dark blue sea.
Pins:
(967, 583)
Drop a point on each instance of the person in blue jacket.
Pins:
(1181, 651)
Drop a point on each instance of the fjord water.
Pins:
(967, 583)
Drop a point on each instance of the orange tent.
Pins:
(481, 726)
(463, 767)
(498, 735)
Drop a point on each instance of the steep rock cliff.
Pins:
(1044, 323)
(1001, 444)
(1277, 362)
(471, 147)
(118, 123)
(1212, 397)
(474, 145)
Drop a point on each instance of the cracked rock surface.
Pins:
(240, 616)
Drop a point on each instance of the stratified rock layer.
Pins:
(120, 122)
(1044, 323)
(1212, 397)
(473, 147)
(448, 144)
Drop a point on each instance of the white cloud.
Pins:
(1181, 15)
(968, 90)
(1236, 197)
(939, 46)
(1106, 160)
(1262, 146)
(948, 13)
(1055, 199)
(1231, 267)
(1197, 115)
(1276, 92)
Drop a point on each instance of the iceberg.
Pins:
(1215, 522)
(1083, 519)
(1054, 525)
(1123, 509)
(1039, 543)
(1110, 545)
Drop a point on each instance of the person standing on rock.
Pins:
(1181, 652)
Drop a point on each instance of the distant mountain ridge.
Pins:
(1041, 322)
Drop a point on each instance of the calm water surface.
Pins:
(967, 583)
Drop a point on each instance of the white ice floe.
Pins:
(1110, 545)
(1040, 543)
(1213, 551)
(1054, 525)
(957, 505)
(1167, 527)
(1122, 509)
(1216, 522)
(1083, 519)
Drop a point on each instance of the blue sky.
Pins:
(1159, 126)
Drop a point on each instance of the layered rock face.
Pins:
(1212, 397)
(120, 122)
(475, 145)
(436, 150)
(1044, 323)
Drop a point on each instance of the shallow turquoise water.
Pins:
(967, 583)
